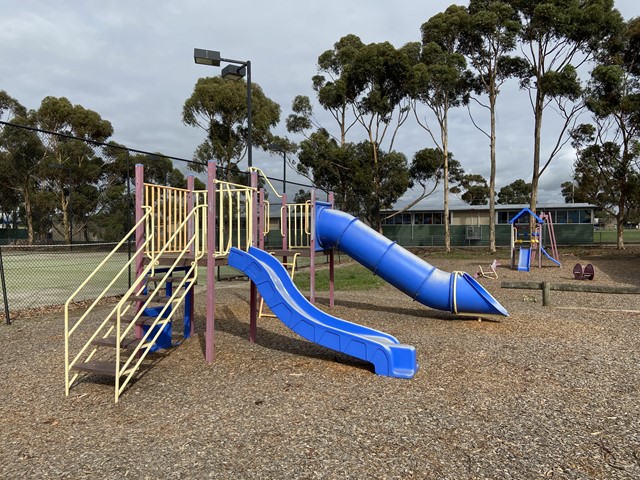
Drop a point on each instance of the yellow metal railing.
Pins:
(125, 305)
(298, 220)
(68, 329)
(234, 220)
(130, 365)
(234, 204)
(169, 208)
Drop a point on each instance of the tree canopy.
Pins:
(218, 106)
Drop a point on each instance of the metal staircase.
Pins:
(123, 339)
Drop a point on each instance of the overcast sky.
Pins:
(132, 62)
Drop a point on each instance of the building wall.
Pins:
(433, 235)
(470, 218)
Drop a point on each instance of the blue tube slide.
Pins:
(389, 357)
(455, 292)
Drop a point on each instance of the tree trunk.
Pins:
(535, 177)
(620, 218)
(28, 211)
(445, 153)
(492, 179)
(64, 204)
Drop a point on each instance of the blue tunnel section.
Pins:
(456, 292)
(388, 355)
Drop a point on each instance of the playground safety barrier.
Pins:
(171, 205)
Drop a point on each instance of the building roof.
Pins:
(510, 207)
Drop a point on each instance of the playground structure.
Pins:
(179, 230)
(528, 244)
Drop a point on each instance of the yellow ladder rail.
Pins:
(144, 346)
(69, 331)
(292, 264)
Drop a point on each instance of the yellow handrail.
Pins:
(125, 369)
(123, 306)
(256, 169)
(265, 218)
(69, 331)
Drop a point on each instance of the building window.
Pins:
(585, 216)
(573, 216)
(561, 216)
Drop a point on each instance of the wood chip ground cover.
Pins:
(550, 392)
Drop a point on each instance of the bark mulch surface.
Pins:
(550, 392)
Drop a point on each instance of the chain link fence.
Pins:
(65, 202)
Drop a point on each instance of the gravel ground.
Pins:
(550, 392)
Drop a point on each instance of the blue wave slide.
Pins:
(389, 357)
(455, 292)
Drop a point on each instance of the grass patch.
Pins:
(611, 236)
(347, 277)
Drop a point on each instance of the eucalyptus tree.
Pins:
(218, 106)
(359, 85)
(441, 81)
(557, 38)
(391, 176)
(331, 167)
(517, 192)
(21, 153)
(10, 108)
(489, 42)
(71, 168)
(606, 169)
(473, 189)
(427, 171)
(333, 86)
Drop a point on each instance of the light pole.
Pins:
(276, 147)
(236, 71)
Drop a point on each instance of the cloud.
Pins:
(132, 62)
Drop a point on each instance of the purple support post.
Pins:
(312, 249)
(139, 212)
(284, 226)
(331, 265)
(190, 233)
(211, 261)
(253, 296)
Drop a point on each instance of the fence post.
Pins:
(4, 290)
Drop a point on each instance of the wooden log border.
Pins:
(546, 288)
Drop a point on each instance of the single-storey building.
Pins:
(573, 224)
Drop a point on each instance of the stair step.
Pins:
(101, 368)
(157, 278)
(130, 343)
(144, 298)
(142, 320)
